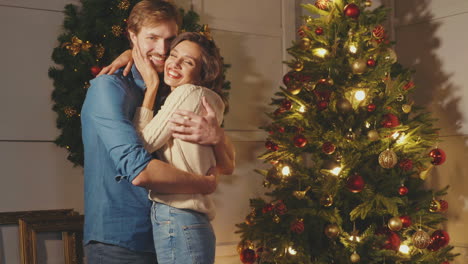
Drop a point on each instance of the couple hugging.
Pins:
(139, 209)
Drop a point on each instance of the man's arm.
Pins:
(205, 130)
(105, 107)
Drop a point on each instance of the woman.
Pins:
(181, 222)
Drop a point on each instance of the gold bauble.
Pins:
(294, 88)
(395, 223)
(406, 108)
(250, 219)
(373, 135)
(332, 230)
(304, 44)
(368, 3)
(421, 239)
(116, 30)
(355, 258)
(388, 159)
(359, 66)
(326, 200)
(245, 244)
(434, 206)
(123, 5)
(276, 219)
(298, 66)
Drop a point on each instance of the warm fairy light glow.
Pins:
(352, 48)
(320, 52)
(401, 139)
(360, 95)
(367, 125)
(286, 171)
(292, 251)
(302, 109)
(404, 249)
(355, 238)
(395, 135)
(336, 171)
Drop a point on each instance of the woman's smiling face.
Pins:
(183, 64)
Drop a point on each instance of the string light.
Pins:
(404, 249)
(286, 171)
(336, 171)
(352, 48)
(292, 251)
(367, 125)
(320, 52)
(302, 109)
(355, 238)
(360, 95)
(401, 139)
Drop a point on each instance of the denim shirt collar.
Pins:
(138, 79)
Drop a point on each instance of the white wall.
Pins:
(432, 38)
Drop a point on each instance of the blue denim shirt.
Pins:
(116, 212)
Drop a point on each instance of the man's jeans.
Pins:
(100, 253)
(182, 236)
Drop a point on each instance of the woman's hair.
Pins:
(212, 69)
(150, 13)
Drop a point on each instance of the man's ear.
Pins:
(133, 37)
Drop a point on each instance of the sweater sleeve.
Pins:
(156, 132)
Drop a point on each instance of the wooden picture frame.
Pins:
(71, 227)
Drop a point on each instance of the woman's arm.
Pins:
(124, 59)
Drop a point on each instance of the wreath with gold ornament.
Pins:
(93, 35)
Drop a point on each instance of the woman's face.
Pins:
(183, 64)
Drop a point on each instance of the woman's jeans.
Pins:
(182, 236)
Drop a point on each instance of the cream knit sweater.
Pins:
(190, 157)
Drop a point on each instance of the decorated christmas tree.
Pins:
(93, 35)
(348, 153)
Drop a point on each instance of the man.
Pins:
(117, 212)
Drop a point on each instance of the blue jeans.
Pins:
(182, 236)
(100, 253)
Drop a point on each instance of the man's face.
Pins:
(154, 42)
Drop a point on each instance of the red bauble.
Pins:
(95, 70)
(406, 164)
(319, 31)
(300, 141)
(322, 4)
(248, 256)
(281, 129)
(371, 107)
(287, 78)
(371, 62)
(280, 208)
(445, 262)
(322, 105)
(403, 190)
(378, 32)
(408, 86)
(328, 148)
(439, 239)
(297, 226)
(352, 10)
(286, 104)
(355, 183)
(438, 156)
(271, 145)
(267, 208)
(390, 120)
(393, 241)
(443, 206)
(406, 221)
(302, 31)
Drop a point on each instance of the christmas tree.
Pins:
(93, 35)
(348, 153)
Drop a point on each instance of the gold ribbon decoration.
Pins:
(76, 45)
(205, 31)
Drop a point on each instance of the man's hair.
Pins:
(211, 75)
(150, 13)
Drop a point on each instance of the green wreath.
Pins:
(93, 36)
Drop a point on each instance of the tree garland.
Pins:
(93, 36)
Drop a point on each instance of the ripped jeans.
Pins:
(182, 236)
